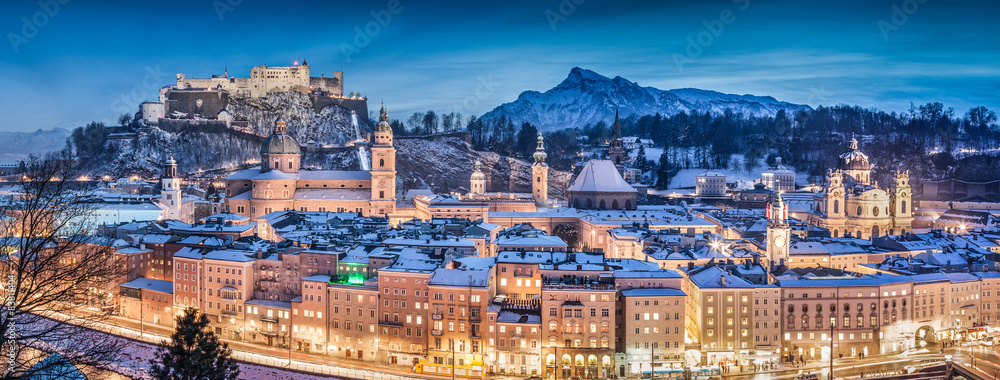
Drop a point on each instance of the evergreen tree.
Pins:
(194, 352)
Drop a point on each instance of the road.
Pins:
(986, 362)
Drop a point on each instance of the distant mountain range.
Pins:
(586, 97)
(16, 146)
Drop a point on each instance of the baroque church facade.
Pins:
(852, 204)
(279, 184)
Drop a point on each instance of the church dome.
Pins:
(280, 144)
(854, 159)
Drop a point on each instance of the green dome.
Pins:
(280, 144)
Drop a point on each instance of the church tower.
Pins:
(902, 204)
(616, 148)
(170, 193)
(383, 172)
(778, 232)
(540, 174)
(477, 182)
(834, 196)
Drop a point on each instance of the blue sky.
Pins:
(89, 58)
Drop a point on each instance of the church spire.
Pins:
(540, 154)
(617, 129)
(383, 121)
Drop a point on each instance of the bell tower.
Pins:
(170, 194)
(383, 200)
(778, 232)
(902, 204)
(540, 173)
(477, 182)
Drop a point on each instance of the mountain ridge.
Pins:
(587, 97)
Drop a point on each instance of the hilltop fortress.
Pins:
(265, 80)
(203, 101)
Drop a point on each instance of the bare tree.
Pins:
(58, 279)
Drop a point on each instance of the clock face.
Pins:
(779, 241)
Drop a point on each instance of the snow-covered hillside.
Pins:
(445, 164)
(331, 126)
(586, 97)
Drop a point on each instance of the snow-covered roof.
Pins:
(460, 277)
(648, 292)
(228, 255)
(603, 176)
(159, 286)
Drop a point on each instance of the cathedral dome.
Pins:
(280, 142)
(854, 159)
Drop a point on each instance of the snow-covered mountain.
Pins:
(586, 97)
(16, 146)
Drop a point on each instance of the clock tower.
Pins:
(778, 232)
(383, 201)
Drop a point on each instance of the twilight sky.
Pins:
(92, 60)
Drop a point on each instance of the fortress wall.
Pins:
(212, 102)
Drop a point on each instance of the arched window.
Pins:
(381, 163)
(602, 205)
(538, 179)
(614, 204)
(628, 204)
(902, 207)
(590, 203)
(836, 206)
